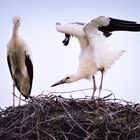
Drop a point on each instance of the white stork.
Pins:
(95, 54)
(19, 62)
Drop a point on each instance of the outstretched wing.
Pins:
(119, 25)
(70, 29)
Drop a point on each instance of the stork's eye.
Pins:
(18, 21)
(67, 78)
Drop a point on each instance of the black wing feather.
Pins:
(66, 40)
(119, 25)
(9, 64)
(29, 66)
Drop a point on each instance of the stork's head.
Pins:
(16, 21)
(67, 79)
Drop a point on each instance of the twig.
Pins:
(73, 119)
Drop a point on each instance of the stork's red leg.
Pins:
(101, 84)
(94, 87)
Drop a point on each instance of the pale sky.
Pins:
(52, 61)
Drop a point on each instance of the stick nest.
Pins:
(51, 117)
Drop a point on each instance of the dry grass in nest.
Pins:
(51, 117)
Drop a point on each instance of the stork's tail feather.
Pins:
(113, 56)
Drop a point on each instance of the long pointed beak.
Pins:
(58, 83)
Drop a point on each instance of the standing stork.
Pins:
(95, 54)
(19, 62)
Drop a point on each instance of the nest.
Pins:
(51, 117)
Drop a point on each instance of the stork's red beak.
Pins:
(58, 83)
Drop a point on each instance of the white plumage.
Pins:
(19, 62)
(96, 54)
